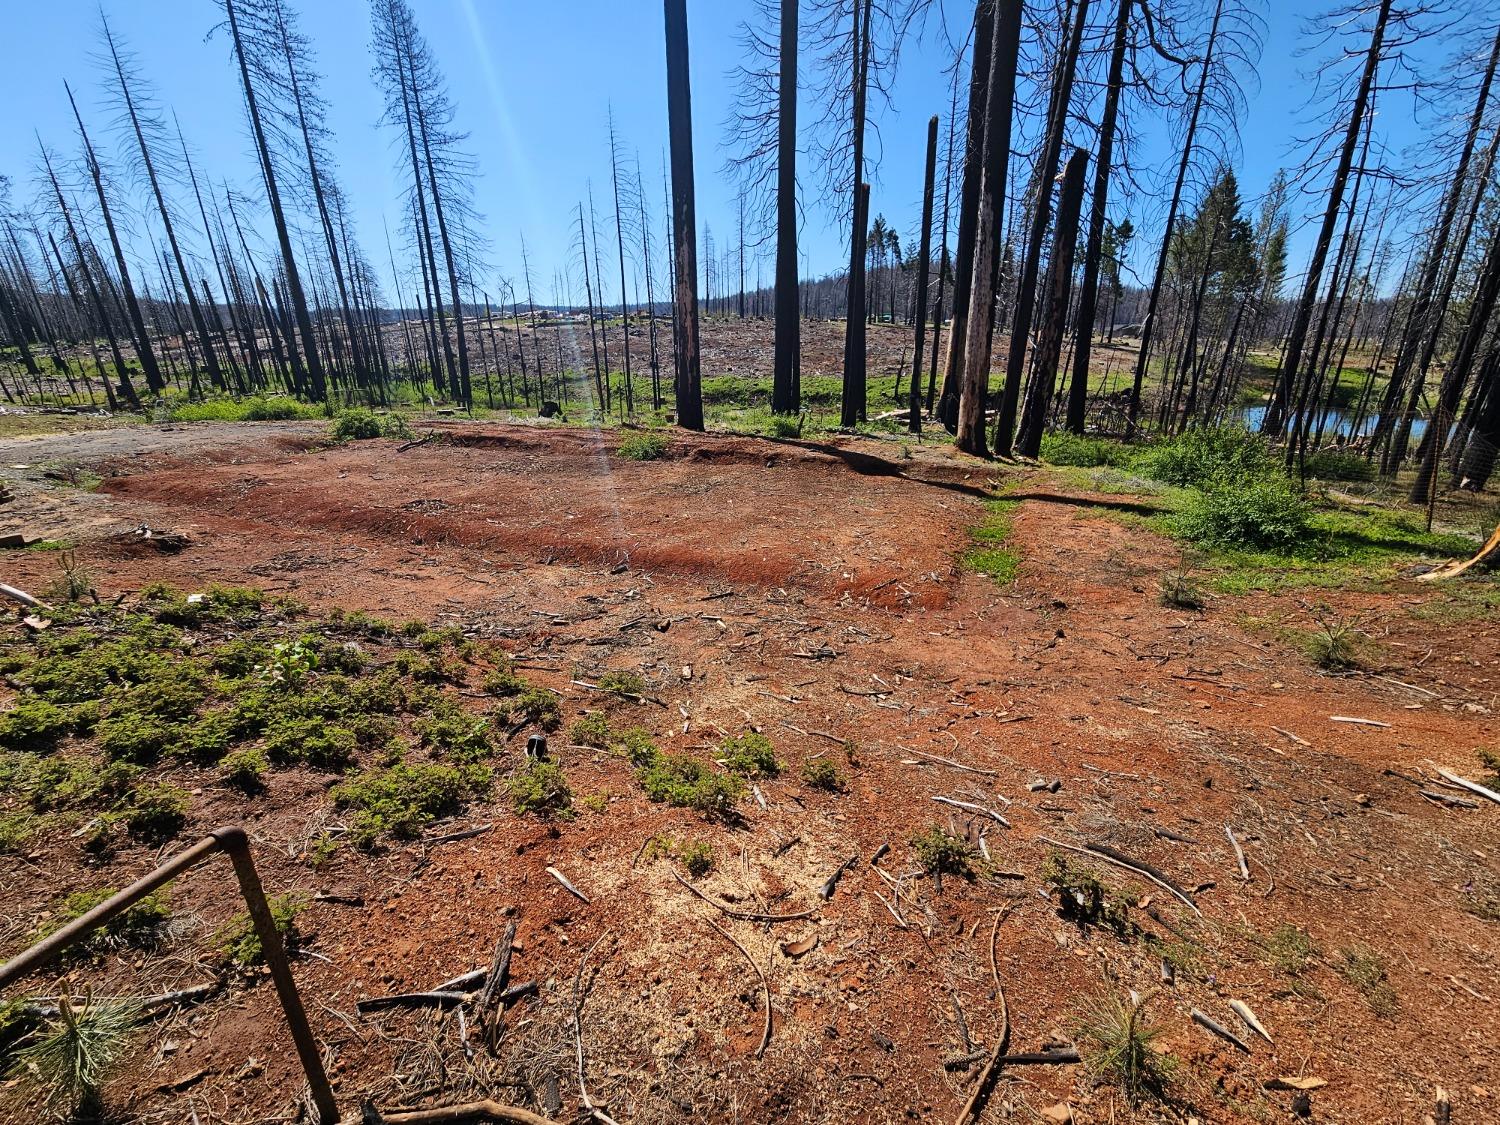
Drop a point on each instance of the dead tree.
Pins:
(1059, 286)
(688, 379)
(924, 264)
(1005, 42)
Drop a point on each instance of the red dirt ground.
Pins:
(799, 587)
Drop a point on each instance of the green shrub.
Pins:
(533, 705)
(139, 926)
(1084, 452)
(697, 857)
(404, 798)
(623, 683)
(1200, 456)
(1332, 464)
(450, 731)
(940, 853)
(638, 745)
(238, 943)
(1264, 512)
(643, 446)
(1120, 1047)
(782, 427)
(137, 738)
(503, 682)
(1084, 898)
(17, 829)
(246, 768)
(540, 787)
(276, 410)
(356, 424)
(821, 773)
(155, 813)
(593, 730)
(309, 741)
(750, 755)
(686, 782)
(34, 724)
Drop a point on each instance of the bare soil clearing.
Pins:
(803, 587)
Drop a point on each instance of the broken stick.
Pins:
(765, 1037)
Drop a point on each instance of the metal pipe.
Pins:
(236, 843)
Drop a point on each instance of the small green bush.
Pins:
(34, 724)
(593, 730)
(821, 773)
(246, 768)
(17, 829)
(750, 755)
(940, 853)
(540, 787)
(643, 446)
(238, 943)
(155, 813)
(638, 745)
(404, 798)
(533, 705)
(623, 683)
(452, 732)
(686, 782)
(502, 682)
(1084, 452)
(697, 857)
(1332, 464)
(1200, 456)
(1264, 512)
(309, 741)
(356, 424)
(139, 926)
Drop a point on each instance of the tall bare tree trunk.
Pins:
(855, 374)
(1005, 43)
(924, 265)
(688, 382)
(1088, 294)
(786, 380)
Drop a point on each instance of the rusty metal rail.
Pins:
(233, 842)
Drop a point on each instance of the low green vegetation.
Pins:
(126, 712)
(643, 446)
(988, 555)
(68, 1059)
(697, 857)
(139, 926)
(238, 943)
(1084, 452)
(821, 773)
(941, 853)
(258, 409)
(1084, 898)
(1119, 1046)
(1365, 969)
(541, 789)
(750, 755)
(683, 781)
(629, 684)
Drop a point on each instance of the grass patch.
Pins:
(643, 446)
(683, 781)
(1085, 452)
(1365, 969)
(987, 555)
(628, 684)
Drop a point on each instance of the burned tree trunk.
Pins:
(924, 264)
(688, 381)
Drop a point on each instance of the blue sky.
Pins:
(533, 83)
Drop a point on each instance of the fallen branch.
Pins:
(1294, 738)
(1109, 855)
(765, 1037)
(404, 446)
(1203, 1020)
(469, 1111)
(578, 998)
(466, 834)
(744, 915)
(1471, 786)
(1239, 853)
(621, 694)
(953, 764)
(1251, 1020)
(826, 892)
(567, 886)
(494, 981)
(971, 807)
(22, 596)
(1041, 1058)
(47, 1006)
(1356, 721)
(411, 1000)
(981, 1092)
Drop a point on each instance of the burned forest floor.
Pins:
(979, 723)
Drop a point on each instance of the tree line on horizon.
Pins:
(135, 272)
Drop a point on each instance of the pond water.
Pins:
(1337, 423)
